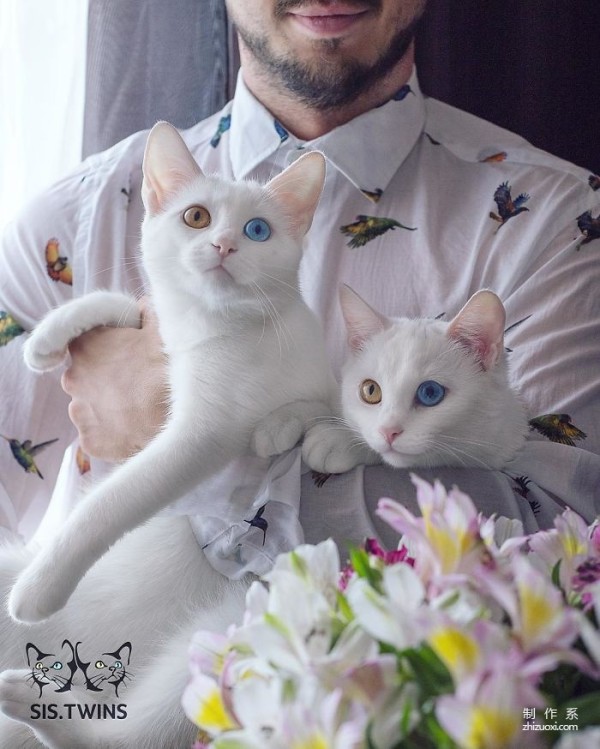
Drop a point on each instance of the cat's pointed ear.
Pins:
(168, 165)
(362, 321)
(297, 190)
(480, 327)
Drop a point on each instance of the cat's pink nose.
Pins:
(390, 433)
(224, 246)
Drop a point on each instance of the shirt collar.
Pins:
(368, 150)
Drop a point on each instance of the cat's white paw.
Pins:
(41, 354)
(16, 696)
(329, 448)
(36, 596)
(277, 432)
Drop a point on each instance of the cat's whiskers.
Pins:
(279, 326)
(465, 441)
(456, 452)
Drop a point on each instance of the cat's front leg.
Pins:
(332, 447)
(46, 347)
(284, 427)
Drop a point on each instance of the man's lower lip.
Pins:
(328, 24)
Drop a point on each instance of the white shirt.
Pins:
(432, 170)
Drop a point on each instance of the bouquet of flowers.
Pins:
(470, 635)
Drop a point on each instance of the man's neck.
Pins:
(308, 123)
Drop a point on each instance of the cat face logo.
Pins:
(48, 668)
(62, 670)
(112, 669)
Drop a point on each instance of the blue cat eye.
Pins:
(57, 666)
(257, 230)
(430, 393)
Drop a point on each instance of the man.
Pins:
(423, 205)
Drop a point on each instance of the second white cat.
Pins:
(423, 392)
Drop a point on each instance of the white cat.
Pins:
(423, 392)
(222, 261)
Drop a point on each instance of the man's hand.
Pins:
(117, 383)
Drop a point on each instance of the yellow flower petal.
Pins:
(456, 649)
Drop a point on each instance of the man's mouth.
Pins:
(327, 20)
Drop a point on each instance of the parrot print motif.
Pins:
(9, 328)
(589, 227)
(507, 207)
(58, 266)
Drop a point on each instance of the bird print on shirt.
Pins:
(493, 158)
(57, 265)
(9, 328)
(366, 228)
(25, 452)
(594, 181)
(557, 428)
(373, 195)
(223, 127)
(82, 461)
(589, 227)
(281, 131)
(507, 207)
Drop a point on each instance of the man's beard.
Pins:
(331, 81)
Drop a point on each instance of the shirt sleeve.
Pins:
(35, 276)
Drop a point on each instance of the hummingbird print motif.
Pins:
(25, 452)
(557, 428)
(366, 228)
(259, 522)
(9, 328)
(594, 181)
(58, 266)
(223, 127)
(507, 207)
(589, 227)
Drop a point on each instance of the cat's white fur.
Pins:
(154, 589)
(240, 344)
(480, 422)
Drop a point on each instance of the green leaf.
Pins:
(556, 574)
(588, 709)
(359, 559)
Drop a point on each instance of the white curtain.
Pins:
(42, 87)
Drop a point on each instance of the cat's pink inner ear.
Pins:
(362, 321)
(168, 166)
(297, 191)
(480, 327)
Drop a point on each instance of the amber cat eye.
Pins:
(370, 392)
(196, 216)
